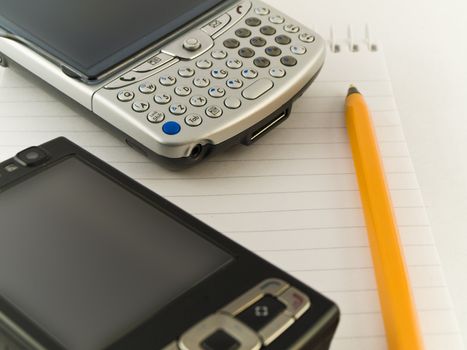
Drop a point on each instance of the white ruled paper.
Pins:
(292, 197)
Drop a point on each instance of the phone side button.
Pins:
(275, 328)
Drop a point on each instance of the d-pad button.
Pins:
(191, 44)
(220, 340)
(262, 312)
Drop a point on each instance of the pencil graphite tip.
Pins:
(352, 90)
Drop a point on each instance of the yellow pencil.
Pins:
(397, 305)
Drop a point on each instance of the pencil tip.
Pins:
(352, 90)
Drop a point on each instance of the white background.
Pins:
(425, 43)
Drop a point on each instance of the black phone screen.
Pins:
(87, 260)
(94, 35)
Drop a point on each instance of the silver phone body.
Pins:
(241, 100)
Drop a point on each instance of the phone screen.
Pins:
(87, 260)
(94, 35)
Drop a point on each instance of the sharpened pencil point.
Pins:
(352, 90)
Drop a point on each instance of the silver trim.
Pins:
(171, 346)
(275, 328)
(19, 332)
(191, 340)
(272, 286)
(270, 125)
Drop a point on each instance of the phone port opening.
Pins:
(267, 127)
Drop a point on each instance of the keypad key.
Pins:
(147, 88)
(277, 72)
(249, 73)
(216, 92)
(171, 128)
(234, 63)
(167, 80)
(283, 39)
(234, 83)
(216, 24)
(162, 99)
(262, 11)
(140, 106)
(291, 28)
(246, 52)
(204, 64)
(273, 51)
(267, 30)
(231, 43)
(220, 340)
(183, 90)
(297, 302)
(177, 109)
(156, 117)
(262, 312)
(298, 50)
(253, 21)
(288, 61)
(306, 38)
(257, 89)
(219, 73)
(186, 72)
(214, 111)
(125, 95)
(261, 62)
(193, 119)
(201, 82)
(123, 81)
(243, 32)
(219, 54)
(232, 102)
(277, 19)
(198, 101)
(257, 41)
(153, 63)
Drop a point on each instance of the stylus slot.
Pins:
(268, 126)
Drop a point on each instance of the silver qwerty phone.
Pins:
(210, 73)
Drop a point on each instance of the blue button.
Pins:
(171, 128)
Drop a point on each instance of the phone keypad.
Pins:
(244, 63)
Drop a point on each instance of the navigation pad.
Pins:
(255, 319)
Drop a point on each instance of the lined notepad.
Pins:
(292, 197)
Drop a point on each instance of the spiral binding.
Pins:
(350, 43)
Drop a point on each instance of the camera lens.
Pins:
(31, 156)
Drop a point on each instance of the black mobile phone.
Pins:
(90, 259)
